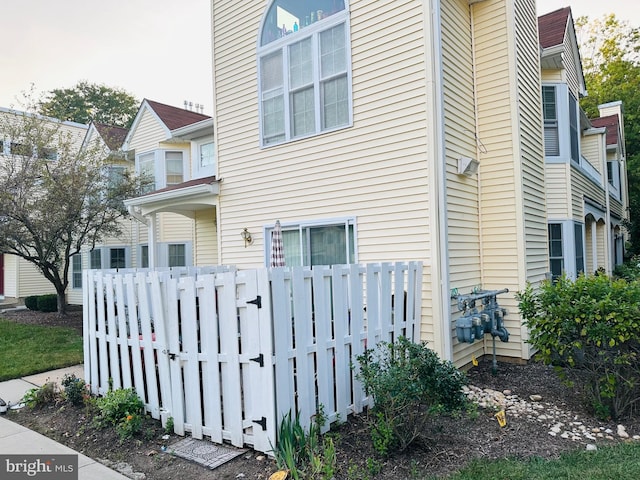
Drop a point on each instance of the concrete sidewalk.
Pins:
(16, 439)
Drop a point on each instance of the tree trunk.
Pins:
(62, 304)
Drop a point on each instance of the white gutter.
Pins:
(438, 199)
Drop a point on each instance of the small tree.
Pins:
(55, 197)
(86, 102)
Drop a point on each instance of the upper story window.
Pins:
(573, 128)
(304, 70)
(550, 112)
(164, 167)
(207, 155)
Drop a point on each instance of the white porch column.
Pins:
(594, 245)
(153, 244)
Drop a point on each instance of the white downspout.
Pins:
(440, 252)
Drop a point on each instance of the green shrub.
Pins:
(300, 452)
(75, 389)
(409, 384)
(40, 396)
(121, 408)
(630, 270)
(31, 302)
(590, 326)
(48, 303)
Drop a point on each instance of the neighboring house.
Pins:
(175, 148)
(112, 252)
(19, 278)
(585, 169)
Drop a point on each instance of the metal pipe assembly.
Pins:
(473, 324)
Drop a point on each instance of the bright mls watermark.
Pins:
(50, 467)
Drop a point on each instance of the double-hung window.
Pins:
(76, 269)
(304, 70)
(573, 128)
(556, 250)
(550, 112)
(163, 168)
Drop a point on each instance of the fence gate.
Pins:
(196, 349)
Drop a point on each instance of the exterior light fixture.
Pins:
(246, 236)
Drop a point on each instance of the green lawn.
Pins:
(29, 349)
(620, 462)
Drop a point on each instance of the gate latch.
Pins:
(259, 359)
(257, 301)
(262, 422)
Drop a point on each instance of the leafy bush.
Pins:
(629, 270)
(592, 326)
(121, 408)
(48, 303)
(31, 302)
(409, 384)
(75, 389)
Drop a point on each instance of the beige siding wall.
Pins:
(375, 171)
(205, 250)
(570, 72)
(531, 145)
(10, 276)
(591, 149)
(148, 133)
(31, 281)
(558, 188)
(501, 203)
(174, 227)
(583, 186)
(462, 192)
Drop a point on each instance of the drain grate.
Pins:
(205, 453)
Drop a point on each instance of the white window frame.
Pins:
(349, 224)
(282, 45)
(160, 166)
(76, 271)
(163, 253)
(198, 170)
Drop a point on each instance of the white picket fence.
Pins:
(226, 354)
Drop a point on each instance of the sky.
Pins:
(623, 9)
(155, 49)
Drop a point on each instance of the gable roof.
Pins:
(552, 27)
(612, 124)
(169, 118)
(112, 136)
(556, 35)
(174, 117)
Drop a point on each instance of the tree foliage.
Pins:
(55, 197)
(610, 50)
(86, 102)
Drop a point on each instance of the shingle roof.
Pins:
(611, 122)
(552, 27)
(112, 136)
(174, 117)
